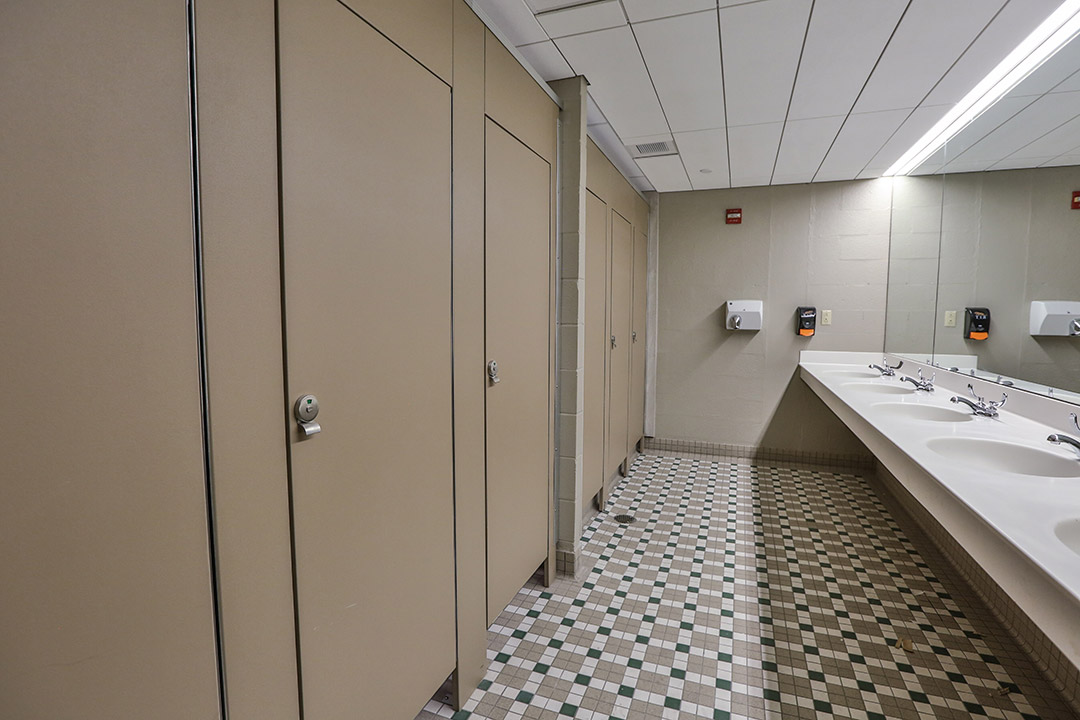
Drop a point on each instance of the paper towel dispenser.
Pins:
(744, 314)
(1055, 317)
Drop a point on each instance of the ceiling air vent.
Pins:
(652, 149)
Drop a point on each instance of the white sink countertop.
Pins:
(1003, 468)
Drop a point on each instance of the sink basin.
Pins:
(880, 389)
(927, 413)
(1068, 532)
(996, 456)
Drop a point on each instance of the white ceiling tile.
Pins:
(539, 6)
(612, 145)
(803, 147)
(858, 142)
(1071, 158)
(1015, 162)
(546, 59)
(846, 38)
(514, 18)
(752, 153)
(639, 10)
(932, 164)
(761, 43)
(917, 125)
(705, 150)
(583, 18)
(643, 139)
(641, 183)
(963, 166)
(665, 173)
(610, 60)
(1058, 74)
(683, 57)
(1014, 23)
(930, 38)
(1034, 121)
(994, 116)
(1050, 145)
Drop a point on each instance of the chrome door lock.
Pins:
(493, 372)
(305, 410)
(613, 346)
(633, 336)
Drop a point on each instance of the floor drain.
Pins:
(624, 519)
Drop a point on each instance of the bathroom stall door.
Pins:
(637, 342)
(365, 143)
(106, 603)
(597, 254)
(619, 341)
(517, 284)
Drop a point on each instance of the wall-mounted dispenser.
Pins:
(976, 323)
(744, 314)
(805, 321)
(1055, 317)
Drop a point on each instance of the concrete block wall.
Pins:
(825, 245)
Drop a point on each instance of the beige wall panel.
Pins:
(518, 327)
(825, 245)
(609, 185)
(469, 378)
(597, 342)
(619, 306)
(637, 342)
(423, 28)
(238, 138)
(367, 258)
(105, 589)
(517, 103)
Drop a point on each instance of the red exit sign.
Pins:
(1076, 200)
(734, 216)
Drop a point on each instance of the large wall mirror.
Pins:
(1008, 237)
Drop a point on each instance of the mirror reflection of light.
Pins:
(1051, 36)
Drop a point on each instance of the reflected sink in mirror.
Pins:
(879, 389)
(998, 456)
(922, 413)
(1068, 532)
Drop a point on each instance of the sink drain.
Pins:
(624, 519)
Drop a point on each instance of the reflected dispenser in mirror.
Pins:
(744, 314)
(1059, 318)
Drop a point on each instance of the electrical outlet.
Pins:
(826, 317)
(950, 318)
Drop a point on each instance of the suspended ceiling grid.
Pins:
(792, 91)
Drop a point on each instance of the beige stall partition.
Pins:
(637, 341)
(597, 342)
(518, 283)
(619, 341)
(366, 225)
(106, 607)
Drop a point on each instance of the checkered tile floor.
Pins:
(745, 591)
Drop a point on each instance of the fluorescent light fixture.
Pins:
(1053, 34)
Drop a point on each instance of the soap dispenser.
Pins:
(805, 321)
(976, 323)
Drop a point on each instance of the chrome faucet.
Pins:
(922, 383)
(885, 369)
(981, 406)
(1072, 442)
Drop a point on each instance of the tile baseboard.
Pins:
(759, 453)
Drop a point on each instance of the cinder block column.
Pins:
(572, 149)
